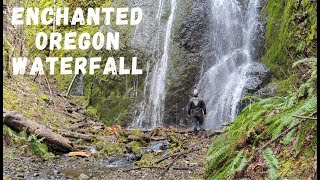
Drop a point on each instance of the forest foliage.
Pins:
(109, 98)
(290, 51)
(263, 120)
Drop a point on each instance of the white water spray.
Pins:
(151, 112)
(221, 84)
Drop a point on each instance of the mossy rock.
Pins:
(111, 148)
(147, 160)
(135, 147)
(132, 137)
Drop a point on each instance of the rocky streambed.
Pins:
(158, 154)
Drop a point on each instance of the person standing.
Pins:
(197, 110)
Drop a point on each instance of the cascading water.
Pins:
(151, 109)
(234, 29)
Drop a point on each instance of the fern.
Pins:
(304, 130)
(290, 100)
(288, 138)
(232, 166)
(278, 122)
(217, 155)
(7, 131)
(312, 61)
(32, 143)
(272, 162)
(239, 162)
(276, 114)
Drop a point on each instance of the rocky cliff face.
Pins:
(190, 47)
(188, 38)
(187, 55)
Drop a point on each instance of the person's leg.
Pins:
(198, 126)
(201, 129)
(194, 125)
(201, 120)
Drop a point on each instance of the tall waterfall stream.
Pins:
(234, 28)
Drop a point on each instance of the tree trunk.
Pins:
(55, 141)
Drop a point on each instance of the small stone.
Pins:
(83, 176)
(20, 175)
(56, 172)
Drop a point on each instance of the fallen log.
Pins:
(17, 122)
(77, 135)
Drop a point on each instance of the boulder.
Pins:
(259, 75)
(269, 91)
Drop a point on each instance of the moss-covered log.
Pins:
(17, 122)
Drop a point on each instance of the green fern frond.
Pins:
(272, 162)
(303, 132)
(213, 159)
(231, 167)
(7, 130)
(311, 61)
(239, 162)
(290, 100)
(253, 98)
(289, 137)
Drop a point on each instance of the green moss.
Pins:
(285, 87)
(135, 146)
(92, 111)
(107, 91)
(45, 98)
(112, 149)
(309, 153)
(136, 132)
(286, 168)
(290, 34)
(147, 159)
(9, 100)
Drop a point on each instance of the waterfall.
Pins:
(234, 28)
(151, 109)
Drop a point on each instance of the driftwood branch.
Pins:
(305, 117)
(50, 91)
(76, 135)
(177, 156)
(169, 165)
(63, 97)
(142, 167)
(70, 85)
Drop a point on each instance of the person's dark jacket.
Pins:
(192, 108)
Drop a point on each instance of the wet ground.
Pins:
(189, 166)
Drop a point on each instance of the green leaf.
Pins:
(272, 162)
(289, 137)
